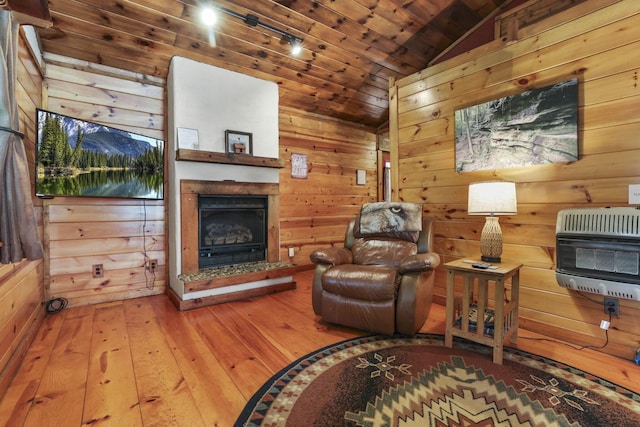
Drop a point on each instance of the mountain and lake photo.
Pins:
(80, 158)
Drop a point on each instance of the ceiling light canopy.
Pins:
(209, 17)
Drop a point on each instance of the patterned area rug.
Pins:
(382, 381)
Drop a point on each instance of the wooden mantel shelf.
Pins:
(226, 158)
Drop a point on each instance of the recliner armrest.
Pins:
(332, 255)
(419, 262)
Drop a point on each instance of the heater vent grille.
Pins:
(591, 289)
(623, 221)
(598, 251)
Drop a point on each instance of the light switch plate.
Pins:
(634, 194)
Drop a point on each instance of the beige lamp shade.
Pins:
(492, 198)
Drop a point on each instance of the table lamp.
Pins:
(492, 198)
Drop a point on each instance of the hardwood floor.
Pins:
(142, 363)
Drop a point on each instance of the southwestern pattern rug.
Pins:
(383, 381)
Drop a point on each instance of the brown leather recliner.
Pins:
(382, 279)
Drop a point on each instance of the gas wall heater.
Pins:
(598, 251)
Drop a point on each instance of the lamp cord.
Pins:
(593, 347)
(149, 284)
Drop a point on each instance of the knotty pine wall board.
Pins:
(314, 212)
(599, 46)
(83, 232)
(115, 233)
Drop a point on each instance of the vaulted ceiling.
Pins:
(350, 51)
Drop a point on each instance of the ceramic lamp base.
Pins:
(491, 240)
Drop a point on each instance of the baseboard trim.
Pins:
(234, 296)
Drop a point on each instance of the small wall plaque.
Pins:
(188, 138)
(299, 166)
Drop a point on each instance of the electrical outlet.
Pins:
(611, 306)
(291, 252)
(153, 265)
(97, 270)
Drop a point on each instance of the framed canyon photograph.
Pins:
(539, 126)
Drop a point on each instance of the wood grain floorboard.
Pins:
(111, 381)
(207, 378)
(163, 395)
(17, 401)
(60, 397)
(142, 362)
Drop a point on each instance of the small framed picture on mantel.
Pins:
(237, 142)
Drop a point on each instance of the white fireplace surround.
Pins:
(212, 100)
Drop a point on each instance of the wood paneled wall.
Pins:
(314, 212)
(120, 235)
(600, 49)
(21, 284)
(80, 232)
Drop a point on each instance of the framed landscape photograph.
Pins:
(78, 158)
(237, 142)
(539, 126)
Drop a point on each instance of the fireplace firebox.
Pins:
(232, 229)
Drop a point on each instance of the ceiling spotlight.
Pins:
(296, 44)
(209, 16)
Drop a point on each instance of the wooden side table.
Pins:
(505, 313)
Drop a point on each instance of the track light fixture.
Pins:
(296, 45)
(208, 16)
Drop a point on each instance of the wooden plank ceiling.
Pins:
(351, 47)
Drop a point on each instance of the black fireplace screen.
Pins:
(232, 229)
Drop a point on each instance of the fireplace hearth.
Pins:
(195, 286)
(234, 270)
(255, 197)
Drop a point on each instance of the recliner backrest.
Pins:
(391, 232)
(387, 252)
(394, 220)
